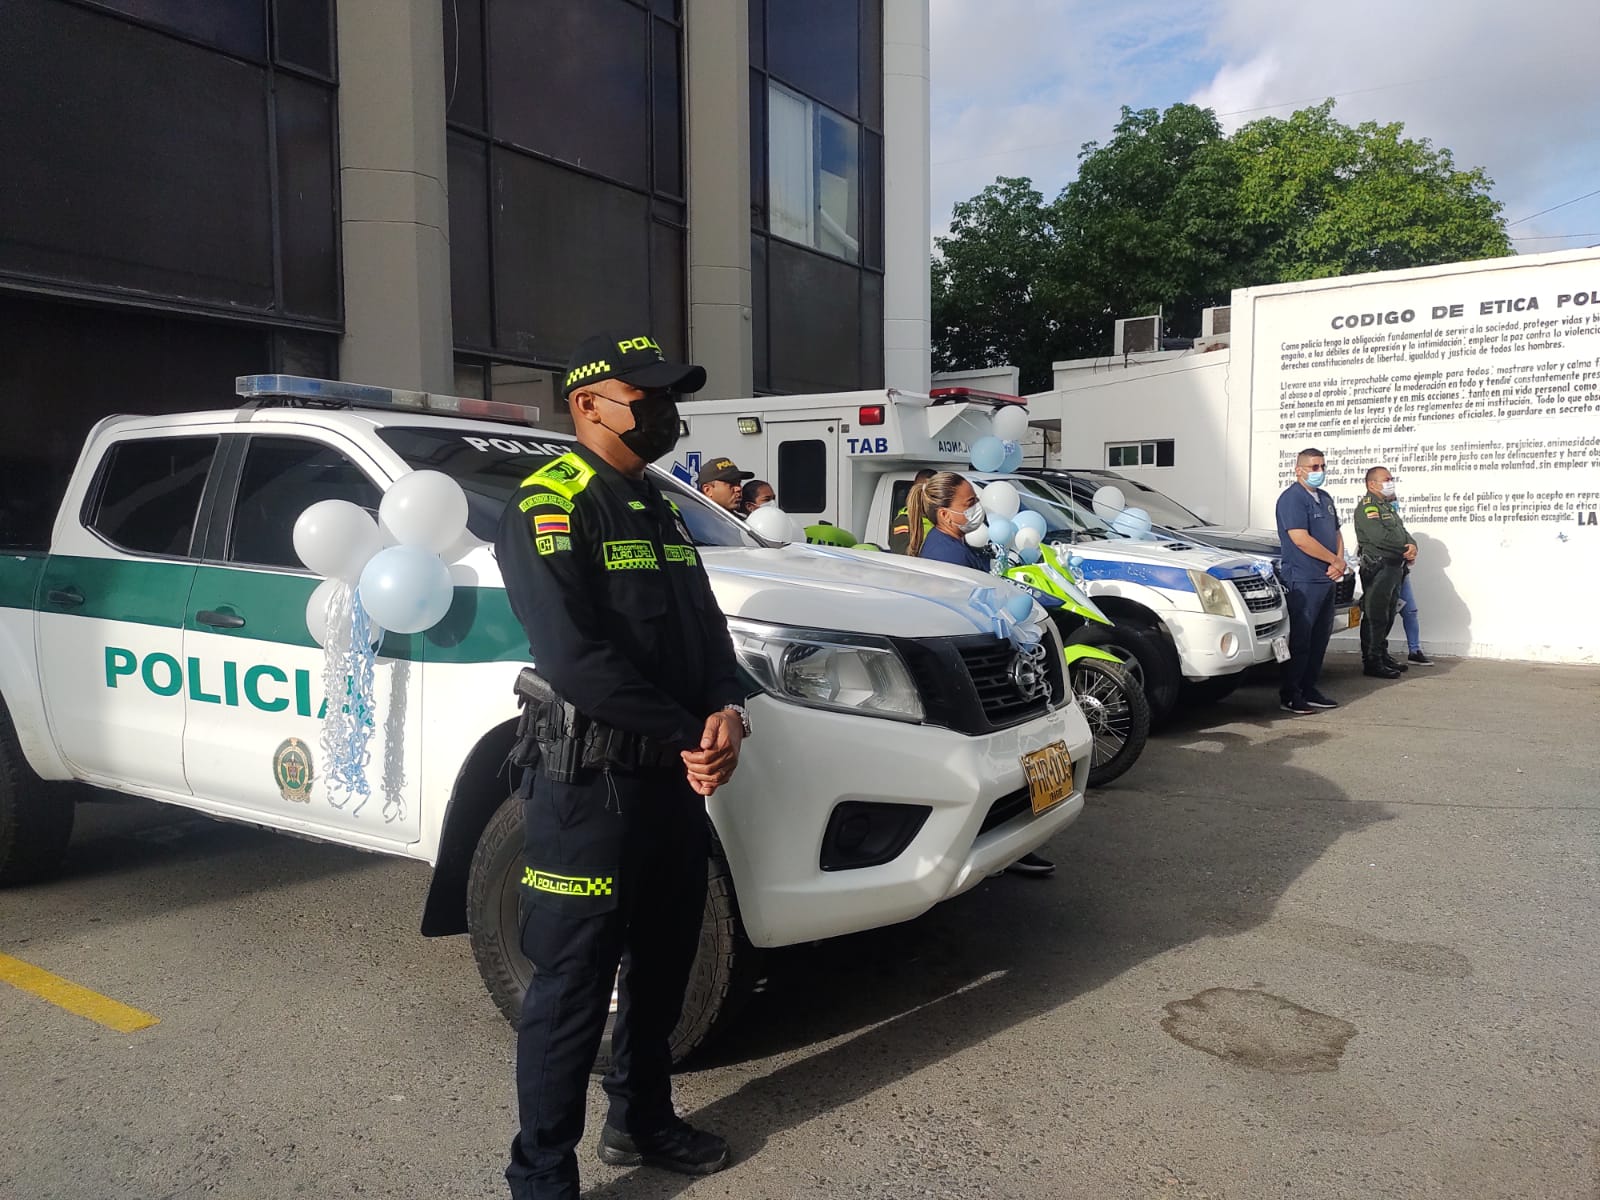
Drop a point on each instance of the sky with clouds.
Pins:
(1512, 86)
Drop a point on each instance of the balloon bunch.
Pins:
(1002, 449)
(383, 574)
(1008, 527)
(1111, 506)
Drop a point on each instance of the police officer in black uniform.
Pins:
(646, 722)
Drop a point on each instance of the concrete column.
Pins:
(718, 119)
(908, 229)
(394, 214)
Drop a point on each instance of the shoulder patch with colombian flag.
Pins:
(566, 476)
(552, 524)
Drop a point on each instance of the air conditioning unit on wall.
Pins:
(1137, 335)
(1216, 322)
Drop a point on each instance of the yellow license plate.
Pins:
(1049, 773)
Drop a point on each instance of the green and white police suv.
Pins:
(1186, 617)
(160, 648)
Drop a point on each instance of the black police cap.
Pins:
(635, 359)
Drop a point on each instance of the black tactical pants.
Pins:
(1380, 598)
(616, 873)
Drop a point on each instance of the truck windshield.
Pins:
(1061, 514)
(490, 467)
(1163, 509)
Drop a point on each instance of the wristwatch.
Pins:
(739, 711)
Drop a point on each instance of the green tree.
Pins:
(992, 288)
(1171, 214)
(1319, 198)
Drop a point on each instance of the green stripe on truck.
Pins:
(478, 628)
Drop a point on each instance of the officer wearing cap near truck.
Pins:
(1387, 552)
(723, 483)
(623, 626)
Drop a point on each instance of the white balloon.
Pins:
(772, 523)
(1000, 499)
(424, 508)
(979, 537)
(317, 612)
(406, 589)
(1010, 424)
(1027, 538)
(1108, 502)
(336, 538)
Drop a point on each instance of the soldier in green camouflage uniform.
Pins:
(1387, 551)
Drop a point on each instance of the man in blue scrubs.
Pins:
(1313, 564)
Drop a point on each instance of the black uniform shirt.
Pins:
(620, 617)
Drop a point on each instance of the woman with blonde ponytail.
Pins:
(950, 503)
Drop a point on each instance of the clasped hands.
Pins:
(712, 765)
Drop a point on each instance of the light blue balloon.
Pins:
(406, 589)
(1132, 523)
(1001, 531)
(1013, 456)
(1031, 555)
(1019, 606)
(988, 453)
(1028, 519)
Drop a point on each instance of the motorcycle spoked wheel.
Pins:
(1118, 715)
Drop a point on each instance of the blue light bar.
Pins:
(337, 392)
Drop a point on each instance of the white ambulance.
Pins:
(159, 648)
(1187, 618)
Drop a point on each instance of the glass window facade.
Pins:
(816, 193)
(566, 183)
(180, 153)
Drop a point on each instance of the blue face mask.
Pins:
(1316, 478)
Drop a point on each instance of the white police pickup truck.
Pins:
(160, 648)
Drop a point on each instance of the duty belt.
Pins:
(562, 741)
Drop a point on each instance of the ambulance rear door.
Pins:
(803, 468)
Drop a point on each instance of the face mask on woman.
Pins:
(972, 518)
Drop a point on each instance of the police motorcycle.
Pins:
(1112, 700)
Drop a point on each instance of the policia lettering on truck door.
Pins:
(1387, 552)
(645, 722)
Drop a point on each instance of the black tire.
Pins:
(1149, 657)
(1118, 716)
(35, 816)
(725, 967)
(1209, 691)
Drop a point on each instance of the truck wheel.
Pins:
(1209, 691)
(35, 817)
(725, 967)
(1148, 658)
(1117, 713)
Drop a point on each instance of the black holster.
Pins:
(562, 741)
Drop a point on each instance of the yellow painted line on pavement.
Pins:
(63, 993)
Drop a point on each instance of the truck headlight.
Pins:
(1213, 594)
(824, 669)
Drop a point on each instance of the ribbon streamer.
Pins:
(347, 685)
(1023, 635)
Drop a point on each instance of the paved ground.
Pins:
(1350, 955)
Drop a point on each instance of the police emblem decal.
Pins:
(291, 770)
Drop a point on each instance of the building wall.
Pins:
(444, 194)
(1176, 396)
(1477, 384)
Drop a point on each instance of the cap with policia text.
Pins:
(722, 469)
(633, 358)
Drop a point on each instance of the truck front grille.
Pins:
(966, 683)
(1259, 594)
